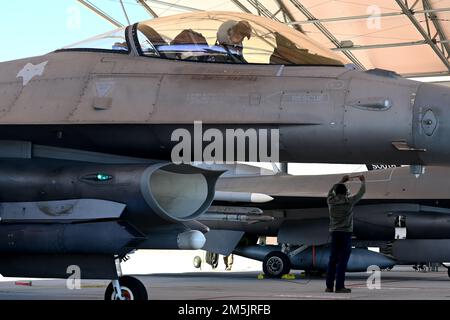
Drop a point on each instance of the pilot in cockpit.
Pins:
(232, 33)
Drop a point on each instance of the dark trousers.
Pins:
(341, 248)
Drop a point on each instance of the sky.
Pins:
(36, 27)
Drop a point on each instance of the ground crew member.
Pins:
(340, 205)
(228, 260)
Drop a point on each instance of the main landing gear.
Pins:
(276, 264)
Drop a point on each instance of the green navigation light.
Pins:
(103, 177)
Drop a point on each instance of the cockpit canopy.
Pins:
(221, 37)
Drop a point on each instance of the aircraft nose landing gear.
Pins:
(126, 288)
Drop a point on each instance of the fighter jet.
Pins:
(128, 91)
(90, 134)
(407, 217)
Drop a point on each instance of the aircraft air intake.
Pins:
(144, 195)
(177, 193)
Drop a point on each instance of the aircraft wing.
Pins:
(222, 241)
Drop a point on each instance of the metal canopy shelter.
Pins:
(410, 37)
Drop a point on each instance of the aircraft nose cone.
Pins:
(431, 123)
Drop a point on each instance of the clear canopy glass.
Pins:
(111, 41)
(200, 37)
(221, 37)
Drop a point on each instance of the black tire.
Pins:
(276, 264)
(132, 289)
(448, 272)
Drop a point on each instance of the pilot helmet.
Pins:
(242, 28)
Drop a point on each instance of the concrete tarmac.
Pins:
(217, 285)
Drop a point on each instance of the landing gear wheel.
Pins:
(132, 289)
(276, 264)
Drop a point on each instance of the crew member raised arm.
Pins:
(340, 205)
